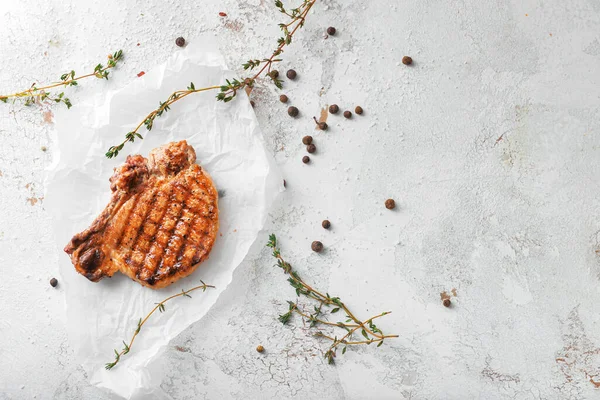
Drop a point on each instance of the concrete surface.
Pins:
(489, 143)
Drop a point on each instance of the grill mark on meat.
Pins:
(188, 226)
(134, 222)
(173, 213)
(189, 248)
(150, 258)
(140, 247)
(136, 257)
(193, 254)
(195, 186)
(175, 241)
(151, 227)
(162, 219)
(191, 207)
(199, 249)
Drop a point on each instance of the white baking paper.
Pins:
(228, 144)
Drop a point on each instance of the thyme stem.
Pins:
(368, 329)
(337, 342)
(159, 306)
(229, 90)
(67, 79)
(320, 320)
(327, 300)
(359, 342)
(30, 92)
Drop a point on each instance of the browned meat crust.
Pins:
(160, 223)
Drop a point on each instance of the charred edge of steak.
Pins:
(84, 237)
(90, 262)
(76, 241)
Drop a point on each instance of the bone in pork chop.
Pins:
(161, 222)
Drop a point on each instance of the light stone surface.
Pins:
(489, 143)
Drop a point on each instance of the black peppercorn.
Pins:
(306, 159)
(358, 110)
(274, 74)
(311, 148)
(283, 98)
(331, 31)
(348, 114)
(390, 204)
(293, 111)
(334, 109)
(322, 125)
(447, 303)
(307, 140)
(180, 41)
(316, 246)
(406, 60)
(53, 282)
(326, 224)
(291, 74)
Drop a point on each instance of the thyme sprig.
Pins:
(298, 17)
(161, 308)
(163, 107)
(38, 94)
(229, 90)
(351, 325)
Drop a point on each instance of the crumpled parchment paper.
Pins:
(228, 144)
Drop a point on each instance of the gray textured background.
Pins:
(489, 143)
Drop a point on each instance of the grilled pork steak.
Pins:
(161, 222)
